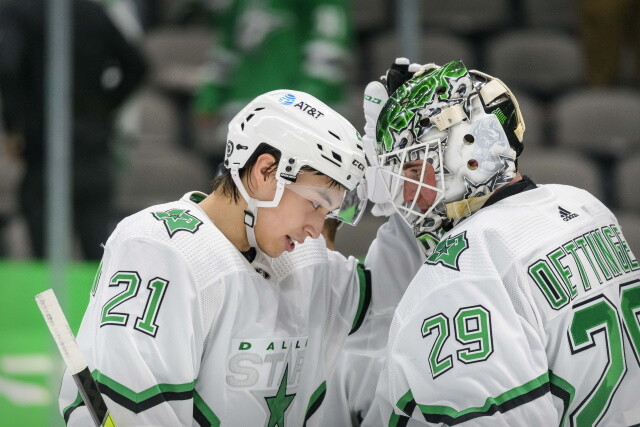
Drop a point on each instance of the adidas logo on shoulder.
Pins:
(566, 215)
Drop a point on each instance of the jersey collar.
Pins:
(525, 184)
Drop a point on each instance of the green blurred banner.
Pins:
(30, 369)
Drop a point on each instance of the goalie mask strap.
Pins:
(466, 207)
(449, 117)
(496, 88)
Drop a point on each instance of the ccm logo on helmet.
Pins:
(313, 112)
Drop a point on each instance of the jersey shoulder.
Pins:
(495, 243)
(189, 232)
(525, 220)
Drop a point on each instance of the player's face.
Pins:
(300, 213)
(426, 196)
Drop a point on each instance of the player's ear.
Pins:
(266, 166)
(263, 177)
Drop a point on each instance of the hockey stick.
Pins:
(73, 358)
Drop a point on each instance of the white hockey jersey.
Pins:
(182, 330)
(525, 314)
(393, 259)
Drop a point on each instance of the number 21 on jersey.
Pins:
(130, 282)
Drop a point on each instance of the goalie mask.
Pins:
(446, 140)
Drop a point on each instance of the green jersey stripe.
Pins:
(364, 278)
(202, 413)
(315, 401)
(66, 412)
(563, 390)
(502, 403)
(398, 420)
(150, 393)
(406, 404)
(134, 401)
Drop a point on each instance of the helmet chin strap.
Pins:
(251, 212)
(250, 218)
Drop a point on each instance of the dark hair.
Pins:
(330, 229)
(229, 188)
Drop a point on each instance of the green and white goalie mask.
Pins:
(446, 140)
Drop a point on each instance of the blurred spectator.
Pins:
(269, 44)
(607, 26)
(127, 18)
(106, 69)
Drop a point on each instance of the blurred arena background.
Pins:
(582, 114)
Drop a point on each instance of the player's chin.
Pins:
(424, 206)
(277, 247)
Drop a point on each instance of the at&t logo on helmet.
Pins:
(287, 99)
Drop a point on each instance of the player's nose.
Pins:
(314, 225)
(409, 191)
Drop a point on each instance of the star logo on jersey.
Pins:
(449, 250)
(178, 220)
(279, 403)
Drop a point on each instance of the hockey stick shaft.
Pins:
(73, 357)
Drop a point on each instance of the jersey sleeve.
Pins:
(351, 281)
(374, 288)
(393, 259)
(143, 337)
(459, 353)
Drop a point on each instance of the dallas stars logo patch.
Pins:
(449, 250)
(178, 220)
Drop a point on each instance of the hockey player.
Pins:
(202, 312)
(526, 312)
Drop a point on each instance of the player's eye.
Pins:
(413, 173)
(315, 205)
(413, 169)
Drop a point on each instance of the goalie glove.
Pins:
(376, 95)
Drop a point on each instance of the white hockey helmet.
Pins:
(467, 125)
(307, 132)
